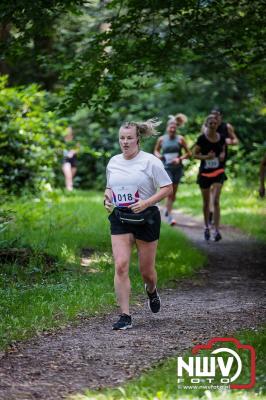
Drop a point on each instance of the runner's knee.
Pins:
(121, 267)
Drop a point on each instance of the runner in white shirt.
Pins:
(131, 195)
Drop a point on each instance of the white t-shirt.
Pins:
(138, 178)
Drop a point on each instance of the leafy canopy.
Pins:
(157, 37)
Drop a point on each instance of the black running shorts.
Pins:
(149, 232)
(71, 160)
(205, 183)
(175, 174)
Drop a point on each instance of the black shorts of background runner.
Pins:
(147, 232)
(71, 160)
(174, 173)
(205, 182)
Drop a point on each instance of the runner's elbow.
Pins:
(170, 190)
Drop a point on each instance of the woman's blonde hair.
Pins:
(144, 129)
(180, 119)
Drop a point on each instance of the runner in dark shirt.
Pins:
(227, 132)
(210, 149)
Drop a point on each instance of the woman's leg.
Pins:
(66, 168)
(217, 187)
(73, 171)
(206, 205)
(121, 246)
(147, 255)
(211, 214)
(170, 201)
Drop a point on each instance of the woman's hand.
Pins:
(210, 155)
(141, 205)
(108, 205)
(222, 156)
(176, 161)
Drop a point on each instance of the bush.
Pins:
(30, 138)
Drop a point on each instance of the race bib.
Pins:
(123, 196)
(169, 157)
(211, 164)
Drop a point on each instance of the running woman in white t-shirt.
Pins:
(131, 195)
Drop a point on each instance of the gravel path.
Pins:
(226, 296)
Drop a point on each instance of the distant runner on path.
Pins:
(131, 197)
(227, 132)
(210, 149)
(69, 164)
(169, 149)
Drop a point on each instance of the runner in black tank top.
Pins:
(169, 149)
(225, 129)
(227, 132)
(210, 149)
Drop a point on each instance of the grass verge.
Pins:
(240, 206)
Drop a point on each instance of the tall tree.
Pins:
(27, 29)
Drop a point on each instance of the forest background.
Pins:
(93, 64)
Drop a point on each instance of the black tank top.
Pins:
(205, 147)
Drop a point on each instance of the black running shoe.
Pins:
(217, 236)
(124, 322)
(207, 234)
(154, 301)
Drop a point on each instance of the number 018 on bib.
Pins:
(124, 196)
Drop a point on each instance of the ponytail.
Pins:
(144, 129)
(179, 119)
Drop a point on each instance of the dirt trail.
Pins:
(226, 296)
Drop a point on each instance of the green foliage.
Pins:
(39, 43)
(159, 58)
(70, 38)
(156, 38)
(27, 32)
(6, 218)
(29, 139)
